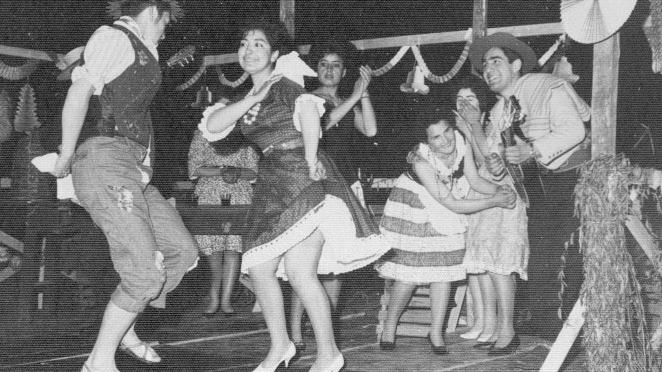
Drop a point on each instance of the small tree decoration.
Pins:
(6, 126)
(28, 183)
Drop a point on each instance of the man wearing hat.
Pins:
(150, 247)
(547, 117)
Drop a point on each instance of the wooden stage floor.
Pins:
(196, 343)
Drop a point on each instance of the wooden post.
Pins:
(480, 19)
(287, 15)
(606, 55)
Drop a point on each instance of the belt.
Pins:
(287, 145)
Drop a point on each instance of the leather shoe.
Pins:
(508, 349)
(387, 345)
(439, 350)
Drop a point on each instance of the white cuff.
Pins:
(307, 98)
(209, 136)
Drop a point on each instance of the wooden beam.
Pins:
(287, 15)
(28, 53)
(606, 55)
(421, 39)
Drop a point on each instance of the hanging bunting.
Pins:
(394, 61)
(226, 82)
(453, 71)
(18, 72)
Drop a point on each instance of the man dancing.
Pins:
(150, 247)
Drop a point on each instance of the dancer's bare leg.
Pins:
(488, 294)
(505, 289)
(114, 325)
(296, 319)
(400, 293)
(476, 306)
(270, 297)
(439, 293)
(333, 287)
(301, 266)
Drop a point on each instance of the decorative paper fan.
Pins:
(590, 21)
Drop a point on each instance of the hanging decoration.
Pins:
(26, 118)
(550, 52)
(591, 21)
(203, 97)
(6, 126)
(653, 30)
(226, 82)
(394, 61)
(187, 84)
(18, 72)
(415, 82)
(563, 70)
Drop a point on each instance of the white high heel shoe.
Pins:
(285, 358)
(336, 365)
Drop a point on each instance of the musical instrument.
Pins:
(508, 137)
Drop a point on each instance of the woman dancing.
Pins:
(497, 238)
(304, 219)
(424, 219)
(345, 119)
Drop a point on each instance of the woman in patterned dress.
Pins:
(304, 219)
(497, 238)
(345, 121)
(224, 170)
(424, 219)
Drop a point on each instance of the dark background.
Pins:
(212, 26)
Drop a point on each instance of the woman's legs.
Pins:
(301, 266)
(296, 318)
(215, 261)
(332, 288)
(231, 261)
(488, 294)
(439, 293)
(476, 307)
(270, 297)
(400, 293)
(505, 289)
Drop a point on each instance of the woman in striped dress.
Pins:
(424, 220)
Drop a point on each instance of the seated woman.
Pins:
(224, 169)
(304, 219)
(424, 219)
(344, 121)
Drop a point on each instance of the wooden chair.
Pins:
(415, 320)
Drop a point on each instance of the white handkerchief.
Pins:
(293, 68)
(65, 185)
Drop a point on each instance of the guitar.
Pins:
(182, 58)
(508, 138)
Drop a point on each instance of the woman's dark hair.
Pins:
(345, 50)
(275, 32)
(486, 99)
(430, 113)
(230, 144)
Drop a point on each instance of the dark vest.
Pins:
(125, 101)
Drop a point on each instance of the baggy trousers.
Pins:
(137, 221)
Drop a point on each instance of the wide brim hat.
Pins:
(69, 61)
(502, 40)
